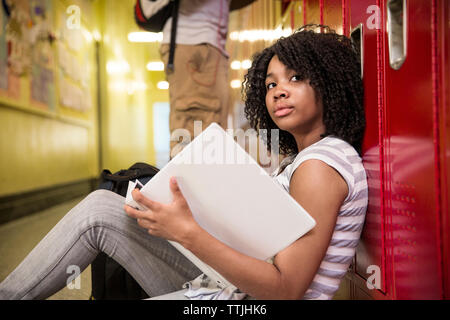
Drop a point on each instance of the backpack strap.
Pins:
(173, 35)
(137, 170)
(106, 175)
(143, 169)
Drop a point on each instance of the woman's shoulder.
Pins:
(331, 144)
(331, 150)
(334, 152)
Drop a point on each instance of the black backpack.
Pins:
(151, 15)
(110, 281)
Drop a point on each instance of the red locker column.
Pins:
(443, 105)
(371, 251)
(410, 162)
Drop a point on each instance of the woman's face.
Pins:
(291, 103)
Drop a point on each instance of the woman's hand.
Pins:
(173, 221)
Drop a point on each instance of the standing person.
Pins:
(307, 86)
(198, 85)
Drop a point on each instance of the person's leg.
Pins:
(98, 223)
(198, 89)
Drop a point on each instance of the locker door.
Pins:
(370, 253)
(443, 104)
(409, 151)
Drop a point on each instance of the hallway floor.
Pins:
(19, 237)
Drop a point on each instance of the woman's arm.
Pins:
(314, 184)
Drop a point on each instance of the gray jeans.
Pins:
(99, 223)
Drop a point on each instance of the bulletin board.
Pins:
(47, 57)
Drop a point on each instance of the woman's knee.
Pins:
(100, 195)
(99, 205)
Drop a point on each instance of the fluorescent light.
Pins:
(246, 64)
(155, 66)
(117, 67)
(235, 83)
(163, 85)
(236, 65)
(134, 86)
(234, 35)
(87, 35)
(131, 86)
(259, 34)
(118, 86)
(145, 36)
(96, 34)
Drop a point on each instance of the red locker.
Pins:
(372, 251)
(405, 60)
(443, 105)
(405, 50)
(411, 179)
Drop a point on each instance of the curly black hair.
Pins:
(331, 63)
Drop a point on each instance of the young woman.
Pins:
(306, 85)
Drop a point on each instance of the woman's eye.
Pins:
(296, 78)
(270, 85)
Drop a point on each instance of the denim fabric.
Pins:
(98, 223)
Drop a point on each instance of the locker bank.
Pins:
(83, 88)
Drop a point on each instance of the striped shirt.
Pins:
(341, 156)
(345, 160)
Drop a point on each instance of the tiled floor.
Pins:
(18, 238)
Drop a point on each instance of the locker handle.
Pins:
(356, 35)
(397, 32)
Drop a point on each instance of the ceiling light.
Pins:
(145, 36)
(260, 34)
(163, 85)
(246, 64)
(236, 65)
(235, 83)
(117, 67)
(155, 66)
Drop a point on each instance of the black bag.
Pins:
(110, 281)
(151, 15)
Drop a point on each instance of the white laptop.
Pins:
(231, 197)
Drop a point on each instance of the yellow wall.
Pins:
(127, 118)
(38, 151)
(42, 147)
